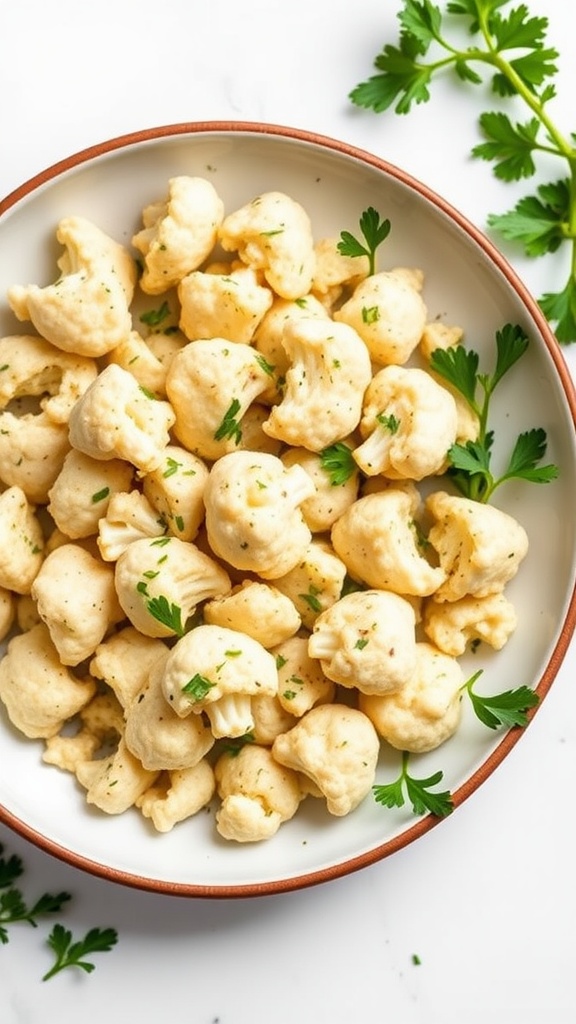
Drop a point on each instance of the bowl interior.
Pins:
(466, 283)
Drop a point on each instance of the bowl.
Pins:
(468, 282)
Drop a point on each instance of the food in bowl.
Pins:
(232, 472)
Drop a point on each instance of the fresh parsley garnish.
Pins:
(417, 791)
(511, 49)
(166, 612)
(13, 904)
(374, 232)
(198, 687)
(72, 953)
(470, 462)
(508, 709)
(230, 427)
(338, 462)
(154, 317)
(100, 495)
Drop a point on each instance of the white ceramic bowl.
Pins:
(467, 282)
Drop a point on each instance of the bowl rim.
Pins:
(510, 738)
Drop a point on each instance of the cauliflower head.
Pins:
(257, 794)
(454, 625)
(176, 488)
(479, 546)
(426, 711)
(366, 641)
(178, 233)
(228, 305)
(177, 795)
(273, 234)
(86, 311)
(21, 541)
(258, 609)
(337, 748)
(82, 491)
(325, 383)
(388, 312)
(32, 367)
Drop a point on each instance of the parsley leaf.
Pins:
(508, 709)
(470, 463)
(418, 791)
(230, 427)
(338, 462)
(198, 687)
(508, 50)
(72, 953)
(170, 615)
(374, 231)
(13, 908)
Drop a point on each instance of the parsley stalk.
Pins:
(512, 48)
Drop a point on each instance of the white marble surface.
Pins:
(487, 900)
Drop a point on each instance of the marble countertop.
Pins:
(476, 921)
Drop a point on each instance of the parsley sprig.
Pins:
(338, 463)
(508, 709)
(374, 232)
(418, 791)
(470, 463)
(72, 953)
(13, 904)
(510, 50)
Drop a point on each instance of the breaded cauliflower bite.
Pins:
(273, 234)
(32, 367)
(253, 517)
(117, 419)
(86, 311)
(176, 488)
(211, 384)
(377, 541)
(257, 794)
(454, 625)
(301, 681)
(258, 609)
(32, 448)
(178, 233)
(388, 312)
(332, 496)
(21, 541)
(328, 374)
(336, 747)
(366, 641)
(82, 491)
(228, 305)
(408, 424)
(479, 546)
(216, 671)
(177, 795)
(426, 711)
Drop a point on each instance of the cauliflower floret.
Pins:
(216, 671)
(176, 488)
(38, 691)
(267, 338)
(376, 540)
(101, 724)
(257, 794)
(336, 481)
(367, 641)
(452, 625)
(301, 682)
(335, 273)
(124, 661)
(81, 493)
(228, 305)
(178, 795)
(273, 234)
(116, 782)
(479, 546)
(426, 711)
(337, 748)
(156, 735)
(257, 609)
(129, 517)
(253, 517)
(408, 424)
(32, 449)
(32, 367)
(179, 232)
(160, 583)
(325, 384)
(142, 358)
(388, 312)
(211, 384)
(86, 311)
(117, 419)
(316, 582)
(75, 597)
(21, 541)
